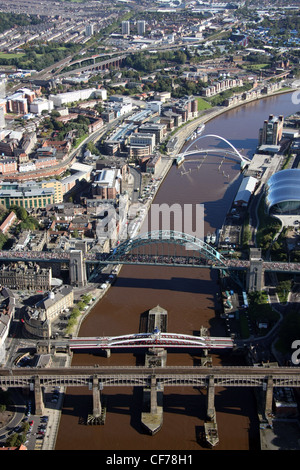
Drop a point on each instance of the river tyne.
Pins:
(190, 297)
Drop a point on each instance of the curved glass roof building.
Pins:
(283, 192)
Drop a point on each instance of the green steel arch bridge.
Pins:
(155, 248)
(165, 247)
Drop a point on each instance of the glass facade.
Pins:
(283, 192)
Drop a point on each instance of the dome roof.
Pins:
(283, 186)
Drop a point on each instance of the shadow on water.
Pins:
(173, 284)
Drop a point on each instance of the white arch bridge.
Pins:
(234, 152)
(156, 339)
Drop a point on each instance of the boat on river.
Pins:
(200, 129)
(208, 237)
(213, 238)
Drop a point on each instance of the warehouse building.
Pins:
(245, 191)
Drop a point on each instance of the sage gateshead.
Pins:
(283, 192)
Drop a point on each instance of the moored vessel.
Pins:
(200, 129)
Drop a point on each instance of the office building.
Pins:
(24, 276)
(29, 195)
(107, 184)
(143, 140)
(39, 318)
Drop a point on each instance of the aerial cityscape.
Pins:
(149, 227)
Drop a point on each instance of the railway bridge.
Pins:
(99, 378)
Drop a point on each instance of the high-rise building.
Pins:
(125, 28)
(141, 27)
(271, 132)
(89, 30)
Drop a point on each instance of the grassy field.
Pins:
(5, 55)
(203, 104)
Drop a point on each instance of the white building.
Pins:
(245, 191)
(72, 96)
(155, 106)
(101, 93)
(30, 166)
(41, 104)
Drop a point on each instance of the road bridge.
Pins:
(156, 339)
(158, 248)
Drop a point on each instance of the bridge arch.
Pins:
(236, 152)
(170, 237)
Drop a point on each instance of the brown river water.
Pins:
(190, 297)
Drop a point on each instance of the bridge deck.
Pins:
(151, 340)
(141, 376)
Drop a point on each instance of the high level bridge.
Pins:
(97, 378)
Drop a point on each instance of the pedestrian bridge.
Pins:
(233, 152)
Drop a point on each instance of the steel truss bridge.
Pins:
(141, 376)
(156, 339)
(166, 247)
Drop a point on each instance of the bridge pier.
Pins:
(255, 275)
(77, 269)
(107, 352)
(38, 397)
(152, 400)
(269, 396)
(211, 398)
(153, 396)
(98, 416)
